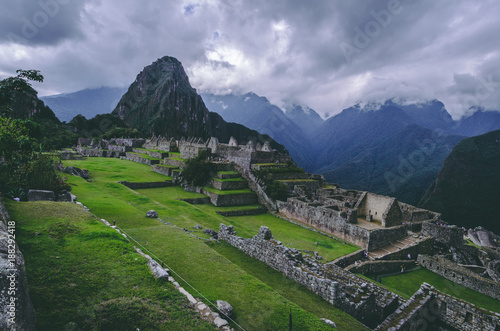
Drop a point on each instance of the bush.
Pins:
(277, 191)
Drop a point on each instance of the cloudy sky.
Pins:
(327, 54)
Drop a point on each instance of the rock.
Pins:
(65, 197)
(329, 322)
(210, 232)
(152, 214)
(77, 172)
(156, 269)
(40, 195)
(483, 237)
(197, 227)
(225, 307)
(219, 322)
(265, 233)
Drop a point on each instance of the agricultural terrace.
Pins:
(261, 297)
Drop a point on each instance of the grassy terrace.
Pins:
(228, 172)
(84, 275)
(176, 154)
(219, 192)
(258, 304)
(409, 283)
(230, 180)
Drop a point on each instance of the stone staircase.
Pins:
(411, 245)
(229, 189)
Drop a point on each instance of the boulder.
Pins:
(484, 238)
(77, 172)
(152, 214)
(40, 195)
(327, 321)
(210, 232)
(65, 197)
(224, 307)
(197, 227)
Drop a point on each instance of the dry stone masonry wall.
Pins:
(460, 275)
(366, 302)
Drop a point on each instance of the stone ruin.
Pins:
(189, 148)
(365, 219)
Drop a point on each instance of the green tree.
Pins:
(198, 171)
(18, 84)
(22, 166)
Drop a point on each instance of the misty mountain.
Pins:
(259, 114)
(381, 150)
(466, 189)
(480, 122)
(306, 118)
(161, 101)
(88, 102)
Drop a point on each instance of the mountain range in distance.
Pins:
(391, 149)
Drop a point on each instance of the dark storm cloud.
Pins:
(42, 22)
(326, 54)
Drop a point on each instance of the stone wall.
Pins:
(382, 237)
(142, 185)
(174, 163)
(244, 212)
(460, 275)
(229, 185)
(413, 214)
(365, 301)
(16, 309)
(425, 246)
(349, 259)
(227, 200)
(197, 201)
(140, 159)
(162, 169)
(118, 148)
(445, 235)
(430, 309)
(325, 219)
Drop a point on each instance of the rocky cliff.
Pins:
(161, 101)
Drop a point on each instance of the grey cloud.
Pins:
(283, 49)
(42, 22)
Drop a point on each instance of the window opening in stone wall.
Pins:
(468, 317)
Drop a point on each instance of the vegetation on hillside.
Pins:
(24, 133)
(256, 304)
(466, 189)
(85, 276)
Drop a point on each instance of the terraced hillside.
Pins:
(261, 297)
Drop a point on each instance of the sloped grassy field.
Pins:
(83, 275)
(260, 296)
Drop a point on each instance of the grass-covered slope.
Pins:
(83, 275)
(466, 189)
(409, 283)
(257, 304)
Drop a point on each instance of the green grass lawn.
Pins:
(84, 275)
(257, 305)
(409, 283)
(228, 172)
